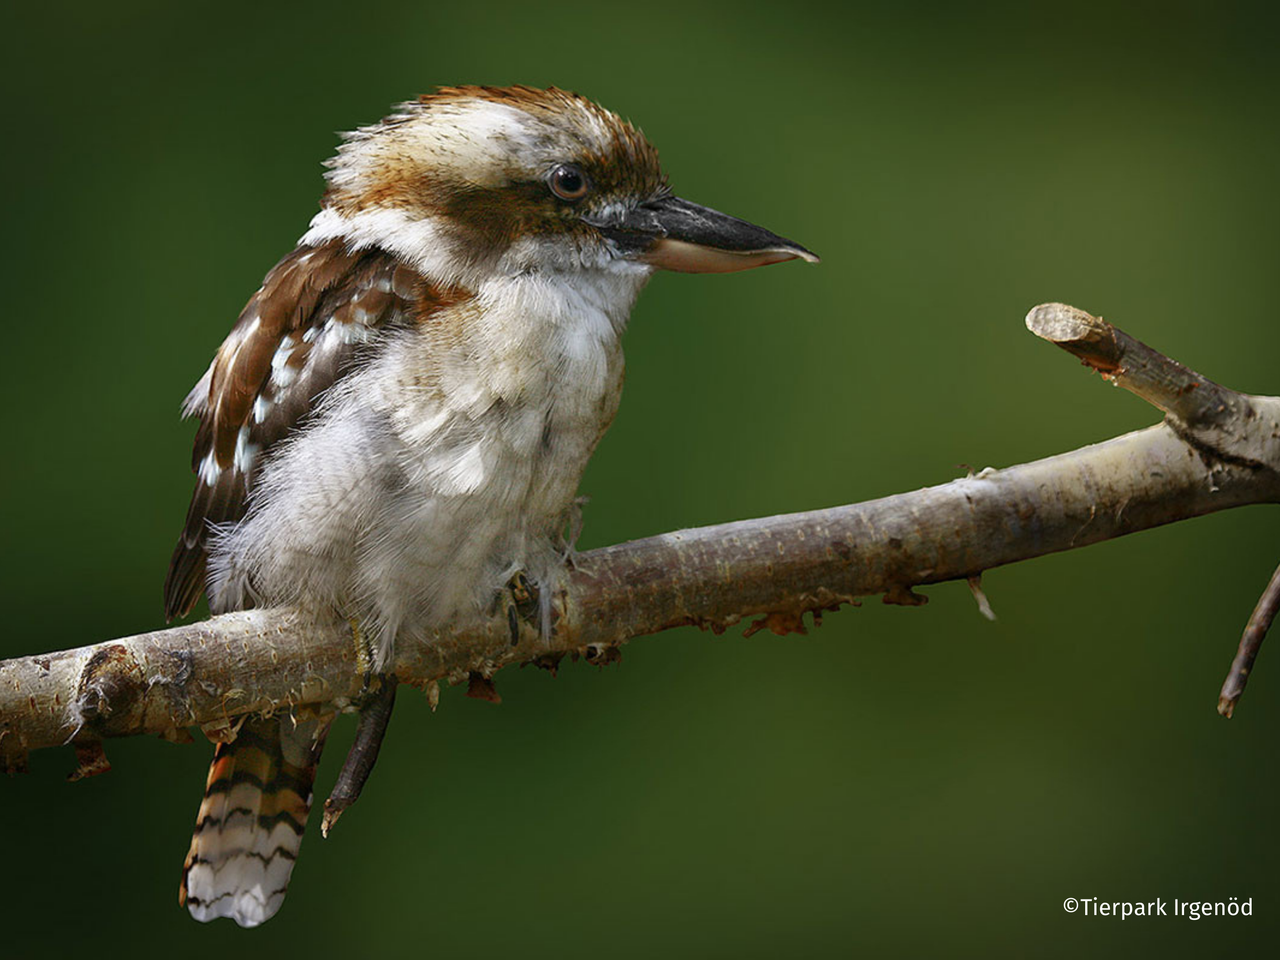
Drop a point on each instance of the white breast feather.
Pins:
(428, 476)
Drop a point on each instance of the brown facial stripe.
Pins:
(490, 218)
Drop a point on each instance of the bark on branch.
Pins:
(1216, 449)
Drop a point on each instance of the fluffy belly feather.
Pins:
(427, 479)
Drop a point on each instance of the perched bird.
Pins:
(396, 425)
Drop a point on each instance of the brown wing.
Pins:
(301, 333)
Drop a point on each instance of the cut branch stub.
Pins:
(1177, 390)
(1217, 421)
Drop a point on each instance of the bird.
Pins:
(395, 427)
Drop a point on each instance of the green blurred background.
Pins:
(915, 781)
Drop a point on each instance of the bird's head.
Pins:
(470, 181)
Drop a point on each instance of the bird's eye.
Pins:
(569, 182)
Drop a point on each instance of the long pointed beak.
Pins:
(674, 234)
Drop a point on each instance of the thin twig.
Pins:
(1264, 615)
(375, 714)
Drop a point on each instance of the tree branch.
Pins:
(1217, 449)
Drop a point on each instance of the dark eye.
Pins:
(569, 182)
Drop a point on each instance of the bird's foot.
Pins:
(522, 600)
(364, 658)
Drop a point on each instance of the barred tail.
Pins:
(250, 824)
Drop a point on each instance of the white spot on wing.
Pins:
(246, 452)
(281, 373)
(209, 470)
(355, 332)
(283, 352)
